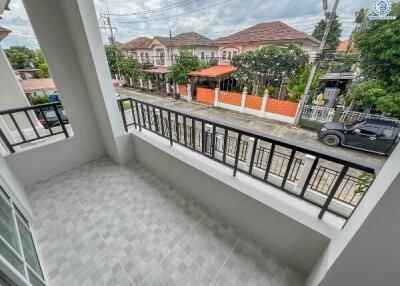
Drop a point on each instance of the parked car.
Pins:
(51, 119)
(371, 135)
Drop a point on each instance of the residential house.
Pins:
(334, 83)
(158, 50)
(139, 49)
(262, 34)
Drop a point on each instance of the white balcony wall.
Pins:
(68, 34)
(367, 252)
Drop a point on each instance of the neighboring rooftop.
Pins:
(4, 33)
(266, 32)
(214, 71)
(182, 39)
(37, 84)
(138, 43)
(346, 46)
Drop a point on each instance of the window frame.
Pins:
(17, 214)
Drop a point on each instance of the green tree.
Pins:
(129, 67)
(297, 83)
(20, 57)
(364, 94)
(114, 58)
(184, 64)
(269, 64)
(379, 44)
(334, 35)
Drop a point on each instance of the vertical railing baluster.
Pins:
(309, 176)
(213, 141)
(143, 116)
(121, 107)
(177, 127)
(162, 122)
(194, 133)
(235, 167)
(64, 129)
(333, 191)
(288, 167)
(270, 158)
(253, 154)
(133, 113)
(155, 119)
(184, 130)
(170, 128)
(202, 137)
(138, 115)
(17, 126)
(32, 125)
(225, 147)
(148, 116)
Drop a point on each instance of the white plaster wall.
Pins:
(367, 251)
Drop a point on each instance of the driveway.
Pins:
(265, 125)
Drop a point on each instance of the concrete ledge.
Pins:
(285, 226)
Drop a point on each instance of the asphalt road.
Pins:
(275, 128)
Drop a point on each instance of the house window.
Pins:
(147, 57)
(202, 55)
(212, 55)
(235, 53)
(141, 57)
(229, 55)
(16, 241)
(224, 55)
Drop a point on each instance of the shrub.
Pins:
(40, 99)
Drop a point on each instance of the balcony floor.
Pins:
(102, 224)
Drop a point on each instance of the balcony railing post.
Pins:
(5, 140)
(138, 115)
(133, 112)
(171, 142)
(121, 107)
(288, 167)
(55, 107)
(333, 191)
(310, 163)
(208, 128)
(251, 153)
(270, 159)
(237, 154)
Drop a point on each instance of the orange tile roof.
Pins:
(214, 71)
(268, 32)
(346, 46)
(37, 84)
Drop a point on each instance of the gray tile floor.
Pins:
(102, 224)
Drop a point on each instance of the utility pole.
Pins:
(328, 26)
(174, 95)
(105, 23)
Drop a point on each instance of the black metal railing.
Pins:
(29, 116)
(329, 182)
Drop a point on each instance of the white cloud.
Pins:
(213, 22)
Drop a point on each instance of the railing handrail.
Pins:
(27, 108)
(323, 154)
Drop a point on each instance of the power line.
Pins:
(160, 9)
(177, 15)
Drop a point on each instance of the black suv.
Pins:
(371, 134)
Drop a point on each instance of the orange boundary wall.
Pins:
(254, 102)
(282, 107)
(231, 98)
(205, 95)
(182, 89)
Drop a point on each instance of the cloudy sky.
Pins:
(212, 18)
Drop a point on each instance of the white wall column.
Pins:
(264, 102)
(189, 92)
(141, 83)
(168, 86)
(150, 84)
(250, 146)
(308, 162)
(216, 97)
(243, 103)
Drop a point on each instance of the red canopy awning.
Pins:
(214, 71)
